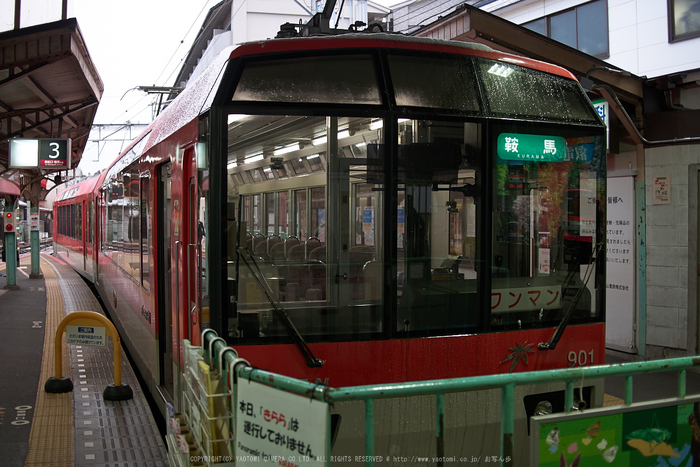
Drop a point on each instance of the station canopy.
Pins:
(49, 88)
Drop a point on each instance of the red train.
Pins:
(340, 209)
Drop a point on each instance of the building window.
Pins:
(683, 19)
(584, 27)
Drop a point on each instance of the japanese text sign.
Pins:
(526, 298)
(531, 148)
(85, 335)
(275, 427)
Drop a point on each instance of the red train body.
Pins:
(448, 287)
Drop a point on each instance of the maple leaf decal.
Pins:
(519, 352)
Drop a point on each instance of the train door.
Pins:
(354, 202)
(83, 233)
(100, 236)
(165, 322)
(90, 235)
(196, 277)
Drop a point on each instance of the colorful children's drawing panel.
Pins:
(659, 433)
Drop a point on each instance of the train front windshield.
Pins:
(433, 212)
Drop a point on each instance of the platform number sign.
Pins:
(49, 153)
(53, 153)
(8, 218)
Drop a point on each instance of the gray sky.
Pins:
(131, 42)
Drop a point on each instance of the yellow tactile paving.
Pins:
(51, 437)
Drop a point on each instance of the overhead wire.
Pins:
(139, 103)
(182, 41)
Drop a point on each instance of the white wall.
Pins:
(638, 34)
(667, 247)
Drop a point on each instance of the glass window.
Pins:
(91, 222)
(584, 27)
(123, 237)
(256, 212)
(538, 26)
(347, 79)
(270, 208)
(282, 214)
(318, 213)
(146, 243)
(592, 28)
(684, 19)
(457, 90)
(547, 193)
(516, 91)
(297, 260)
(562, 28)
(300, 214)
(437, 289)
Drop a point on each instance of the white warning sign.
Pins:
(85, 335)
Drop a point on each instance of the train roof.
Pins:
(75, 190)
(392, 41)
(198, 95)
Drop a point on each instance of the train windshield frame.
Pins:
(418, 214)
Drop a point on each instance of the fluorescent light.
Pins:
(499, 69)
(318, 141)
(343, 134)
(255, 158)
(312, 156)
(231, 165)
(286, 149)
(235, 117)
(376, 124)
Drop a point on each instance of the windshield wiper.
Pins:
(311, 361)
(551, 345)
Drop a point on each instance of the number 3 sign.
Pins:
(54, 153)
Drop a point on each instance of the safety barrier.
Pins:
(88, 328)
(221, 360)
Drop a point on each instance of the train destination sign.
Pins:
(50, 153)
(531, 148)
(85, 335)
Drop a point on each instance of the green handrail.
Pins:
(214, 346)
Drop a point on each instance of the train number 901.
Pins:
(582, 358)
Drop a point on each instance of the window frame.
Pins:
(673, 37)
(548, 28)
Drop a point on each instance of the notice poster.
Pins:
(662, 189)
(620, 294)
(275, 427)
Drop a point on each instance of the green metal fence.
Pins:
(219, 355)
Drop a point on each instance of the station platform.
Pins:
(77, 428)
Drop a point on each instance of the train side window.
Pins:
(146, 244)
(300, 218)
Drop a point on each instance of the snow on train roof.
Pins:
(77, 189)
